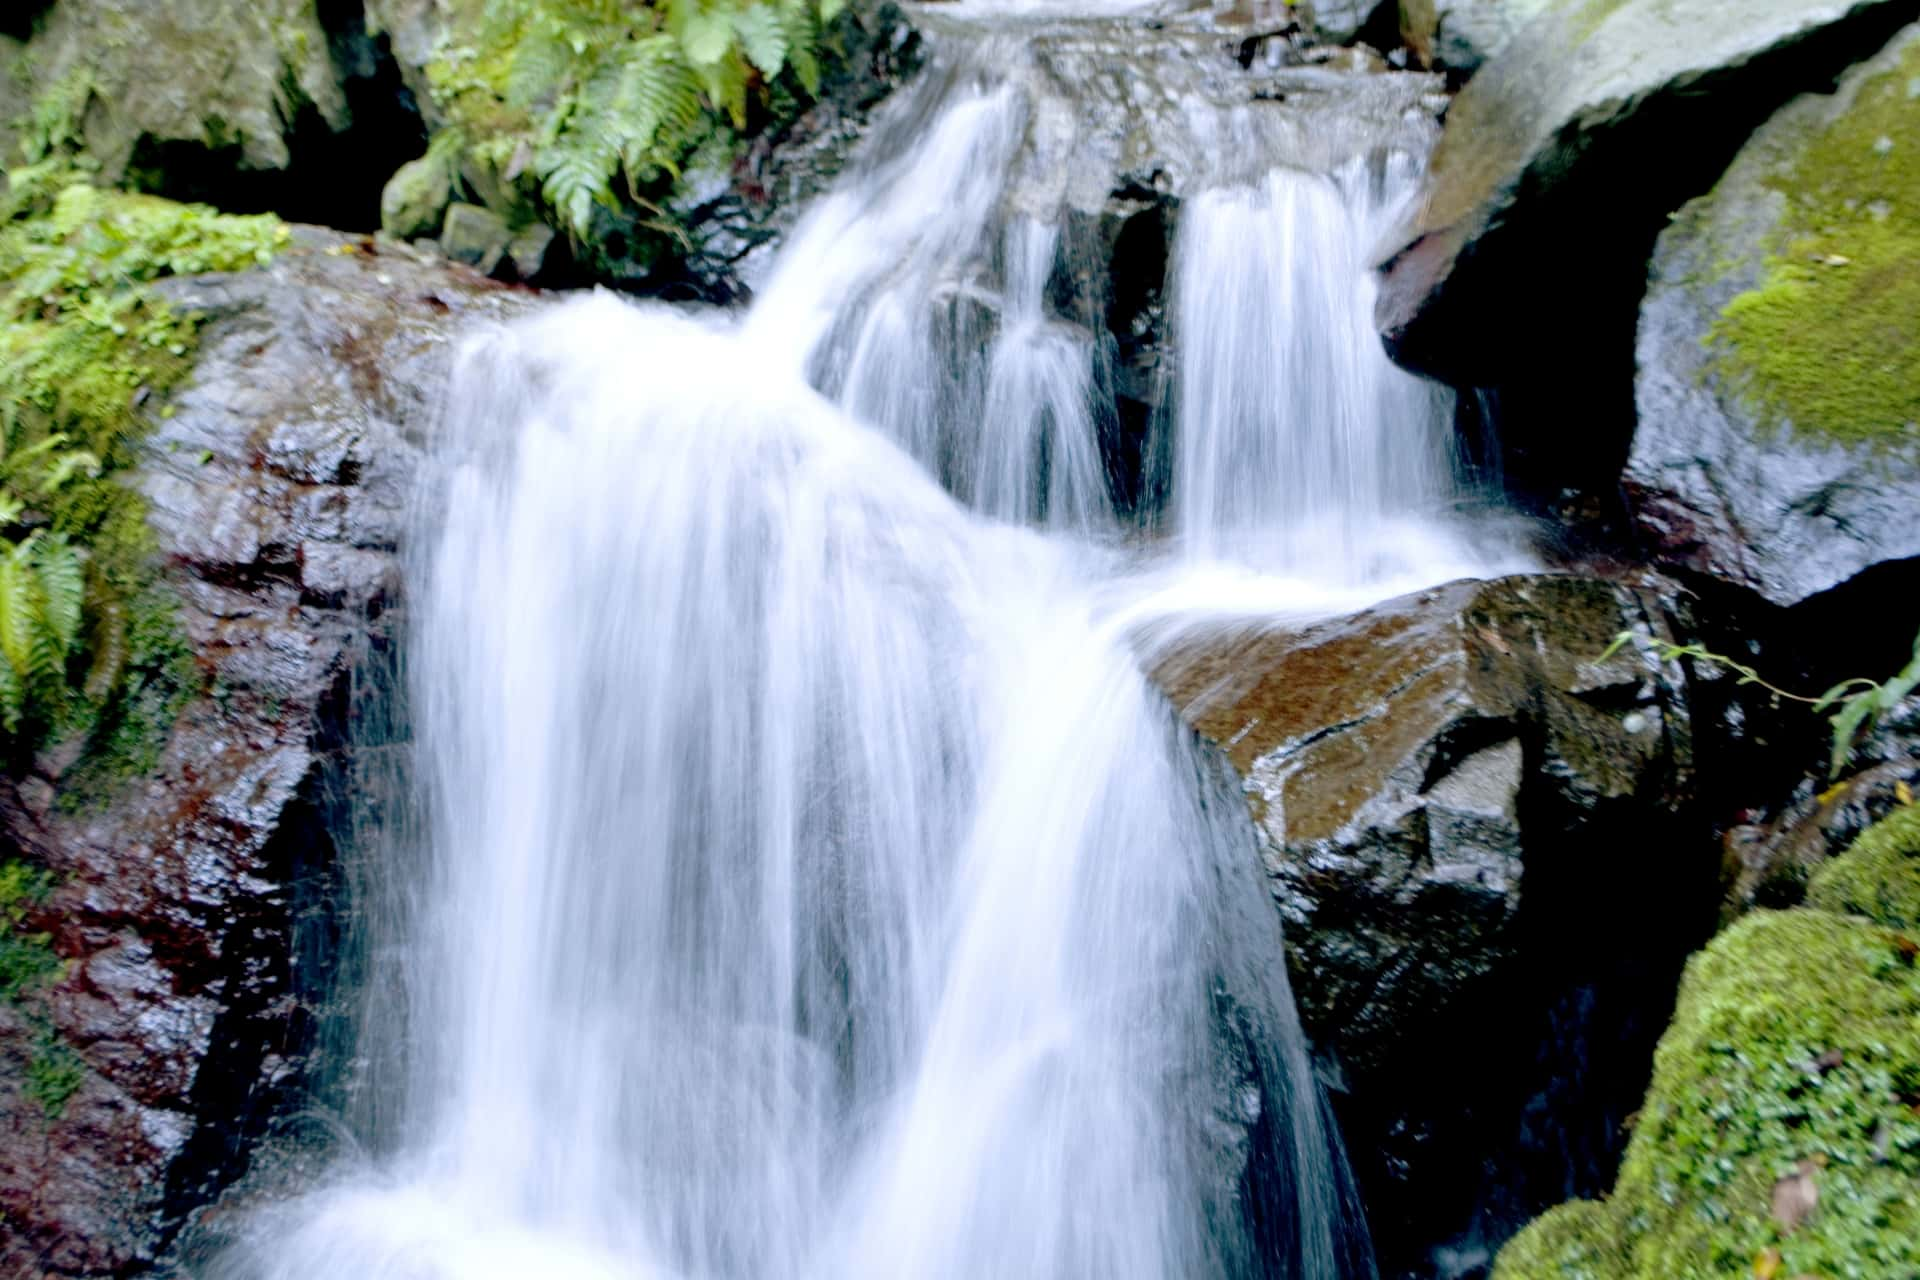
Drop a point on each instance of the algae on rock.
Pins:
(85, 352)
(1778, 383)
(1781, 1128)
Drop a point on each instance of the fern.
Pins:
(575, 173)
(593, 90)
(41, 589)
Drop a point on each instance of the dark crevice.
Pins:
(21, 18)
(333, 178)
(1554, 364)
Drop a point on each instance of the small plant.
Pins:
(1857, 703)
(84, 344)
(580, 94)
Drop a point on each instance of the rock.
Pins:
(1777, 1131)
(1454, 796)
(529, 250)
(1459, 35)
(476, 236)
(183, 899)
(1778, 445)
(211, 72)
(1521, 272)
(1336, 21)
(415, 199)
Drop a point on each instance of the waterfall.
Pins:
(808, 883)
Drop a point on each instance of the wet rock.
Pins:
(1778, 445)
(476, 236)
(1459, 35)
(1453, 795)
(415, 199)
(1522, 270)
(125, 71)
(290, 106)
(277, 487)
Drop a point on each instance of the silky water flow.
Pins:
(807, 882)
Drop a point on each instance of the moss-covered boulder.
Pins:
(1522, 272)
(1879, 877)
(1778, 444)
(113, 74)
(1781, 1133)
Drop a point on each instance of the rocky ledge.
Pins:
(192, 910)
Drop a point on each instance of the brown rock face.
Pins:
(277, 489)
(1459, 804)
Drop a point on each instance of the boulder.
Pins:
(415, 199)
(1459, 35)
(178, 1015)
(1459, 802)
(226, 73)
(1778, 1133)
(1522, 269)
(1778, 442)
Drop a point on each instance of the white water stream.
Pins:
(811, 884)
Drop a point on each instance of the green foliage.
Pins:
(1857, 703)
(83, 344)
(1781, 1132)
(54, 1073)
(600, 100)
(26, 959)
(1879, 876)
(1826, 340)
(1573, 1241)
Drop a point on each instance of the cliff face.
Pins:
(189, 913)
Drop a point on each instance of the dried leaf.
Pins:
(1767, 1265)
(1794, 1197)
(1902, 792)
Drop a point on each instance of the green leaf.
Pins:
(18, 610)
(831, 9)
(705, 35)
(796, 16)
(763, 38)
(726, 85)
(1846, 727)
(62, 589)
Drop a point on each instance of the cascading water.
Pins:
(811, 885)
(1298, 441)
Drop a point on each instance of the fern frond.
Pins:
(703, 30)
(763, 38)
(574, 173)
(726, 85)
(656, 103)
(541, 63)
(18, 612)
(62, 591)
(13, 698)
(67, 466)
(796, 19)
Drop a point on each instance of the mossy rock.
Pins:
(1778, 392)
(1878, 876)
(1790, 1073)
(224, 74)
(1575, 1241)
(87, 353)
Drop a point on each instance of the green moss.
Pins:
(26, 959)
(1827, 341)
(84, 345)
(54, 1073)
(1879, 876)
(1576, 1241)
(1794, 1052)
